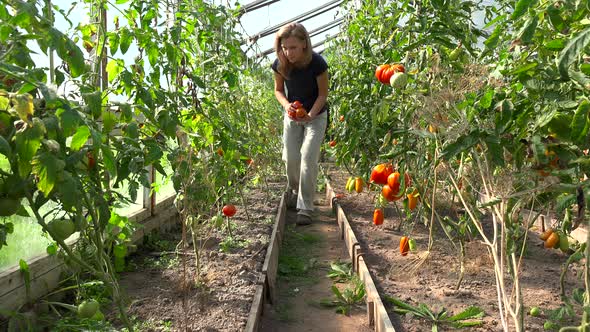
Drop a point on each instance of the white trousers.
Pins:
(302, 142)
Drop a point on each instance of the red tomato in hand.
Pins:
(229, 210)
(301, 112)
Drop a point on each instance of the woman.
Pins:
(304, 75)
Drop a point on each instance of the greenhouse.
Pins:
(280, 165)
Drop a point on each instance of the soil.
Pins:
(431, 277)
(162, 288)
(297, 307)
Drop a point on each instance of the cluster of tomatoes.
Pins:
(555, 239)
(392, 74)
(299, 112)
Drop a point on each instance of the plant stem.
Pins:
(462, 262)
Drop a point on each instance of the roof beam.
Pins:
(254, 5)
(300, 18)
(271, 50)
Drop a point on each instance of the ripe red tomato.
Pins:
(297, 104)
(394, 182)
(91, 160)
(386, 75)
(380, 173)
(379, 71)
(390, 194)
(398, 68)
(342, 118)
(332, 143)
(301, 112)
(229, 210)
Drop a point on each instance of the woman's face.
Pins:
(293, 48)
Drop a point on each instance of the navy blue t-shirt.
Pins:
(302, 84)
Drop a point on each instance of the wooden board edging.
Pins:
(266, 288)
(376, 313)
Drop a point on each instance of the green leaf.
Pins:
(114, 68)
(493, 39)
(584, 68)
(69, 120)
(469, 313)
(74, 58)
(114, 39)
(27, 144)
(109, 160)
(521, 7)
(579, 78)
(4, 102)
(153, 54)
(126, 39)
(571, 52)
(486, 100)
(47, 167)
(579, 125)
(80, 138)
(528, 30)
(5, 148)
(524, 68)
(555, 45)
(24, 268)
(126, 112)
(463, 143)
(94, 102)
(68, 190)
(555, 18)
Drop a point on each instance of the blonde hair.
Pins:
(298, 31)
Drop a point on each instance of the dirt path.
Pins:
(304, 262)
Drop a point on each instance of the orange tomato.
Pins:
(342, 118)
(398, 67)
(545, 235)
(412, 200)
(301, 112)
(552, 240)
(378, 217)
(394, 182)
(404, 245)
(332, 143)
(220, 152)
(380, 173)
(358, 185)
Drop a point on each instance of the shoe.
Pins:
(291, 200)
(303, 219)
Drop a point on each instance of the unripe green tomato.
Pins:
(412, 244)
(535, 311)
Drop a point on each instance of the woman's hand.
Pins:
(290, 111)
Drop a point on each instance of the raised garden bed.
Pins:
(431, 277)
(161, 285)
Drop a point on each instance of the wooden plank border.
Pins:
(376, 314)
(266, 288)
